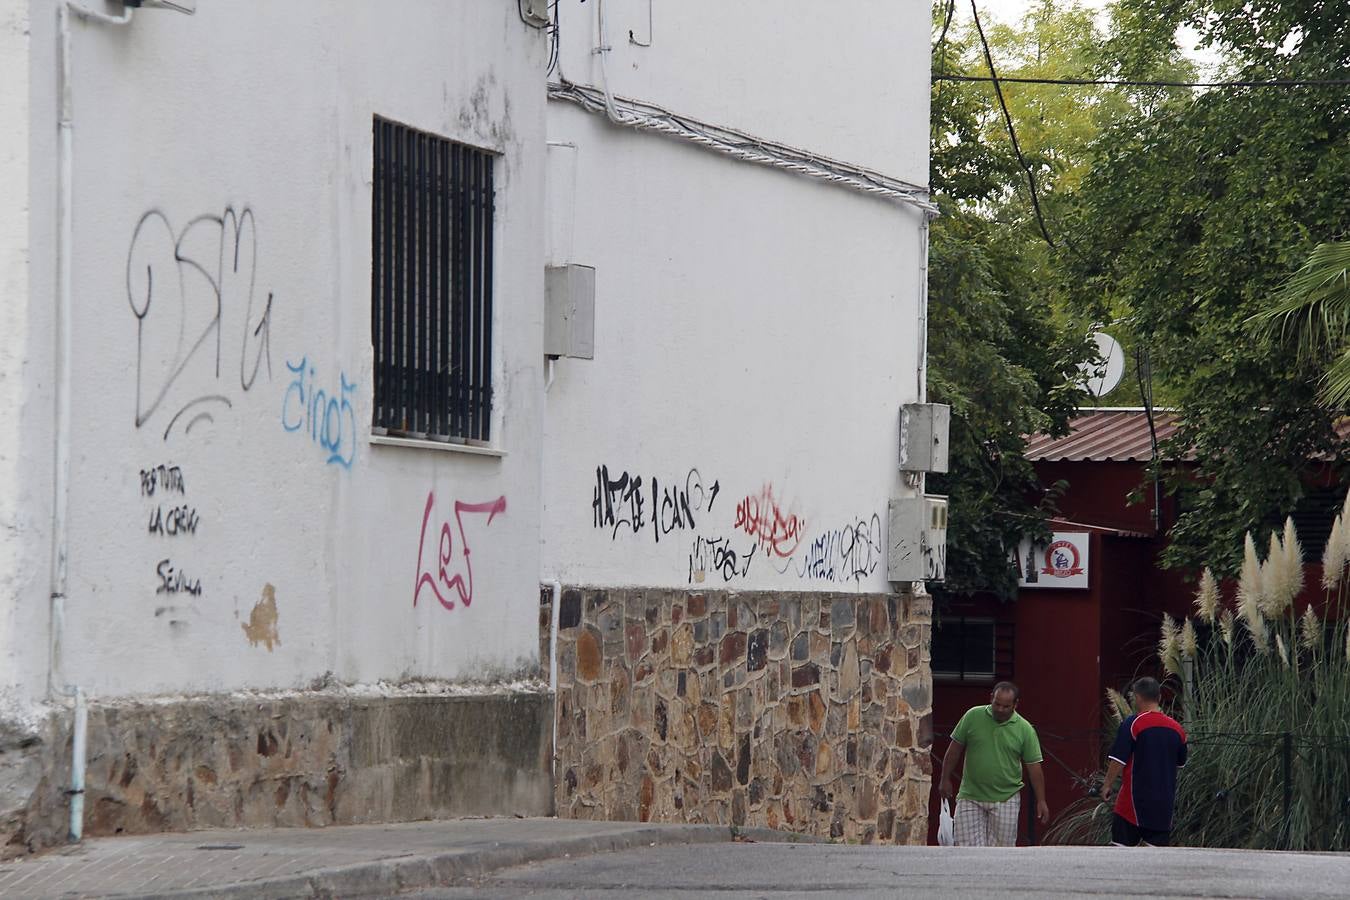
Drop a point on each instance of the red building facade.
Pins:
(1065, 647)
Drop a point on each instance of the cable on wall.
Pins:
(743, 146)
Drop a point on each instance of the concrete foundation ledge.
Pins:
(382, 878)
(305, 759)
(359, 861)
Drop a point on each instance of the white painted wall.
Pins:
(847, 79)
(755, 326)
(266, 107)
(756, 330)
(22, 527)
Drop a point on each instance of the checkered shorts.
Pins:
(979, 824)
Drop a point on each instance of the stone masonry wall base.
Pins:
(807, 712)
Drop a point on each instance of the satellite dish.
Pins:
(1100, 379)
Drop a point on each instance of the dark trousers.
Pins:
(1126, 834)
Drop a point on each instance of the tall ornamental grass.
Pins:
(1262, 688)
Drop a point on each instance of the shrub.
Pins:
(1264, 695)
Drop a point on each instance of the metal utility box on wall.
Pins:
(923, 436)
(535, 12)
(917, 542)
(569, 311)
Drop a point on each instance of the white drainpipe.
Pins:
(79, 743)
(61, 478)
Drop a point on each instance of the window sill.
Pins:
(446, 446)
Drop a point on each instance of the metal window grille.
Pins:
(431, 286)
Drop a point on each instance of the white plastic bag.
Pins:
(946, 838)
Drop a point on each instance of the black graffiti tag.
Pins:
(193, 296)
(621, 503)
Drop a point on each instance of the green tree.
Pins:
(1001, 353)
(1193, 213)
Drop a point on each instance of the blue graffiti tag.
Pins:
(330, 420)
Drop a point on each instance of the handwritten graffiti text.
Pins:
(621, 503)
(173, 581)
(760, 516)
(328, 419)
(850, 553)
(716, 555)
(173, 521)
(170, 520)
(441, 577)
(162, 478)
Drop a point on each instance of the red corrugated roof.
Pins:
(1104, 435)
(1120, 434)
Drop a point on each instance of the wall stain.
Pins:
(262, 620)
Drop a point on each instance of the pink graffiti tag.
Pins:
(761, 517)
(444, 556)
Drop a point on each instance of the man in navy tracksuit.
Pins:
(1150, 747)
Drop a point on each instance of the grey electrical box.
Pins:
(916, 543)
(923, 436)
(569, 311)
(535, 12)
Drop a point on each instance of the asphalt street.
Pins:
(745, 870)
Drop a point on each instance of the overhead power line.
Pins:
(996, 80)
(1012, 133)
(1125, 82)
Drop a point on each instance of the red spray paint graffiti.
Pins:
(777, 531)
(459, 582)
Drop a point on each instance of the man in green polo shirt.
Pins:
(996, 742)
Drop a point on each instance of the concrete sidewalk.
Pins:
(353, 861)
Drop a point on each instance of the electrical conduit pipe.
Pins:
(61, 476)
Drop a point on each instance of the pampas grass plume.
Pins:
(1291, 570)
(1309, 630)
(1116, 705)
(1273, 579)
(1333, 557)
(1168, 649)
(1189, 645)
(1207, 598)
(1249, 583)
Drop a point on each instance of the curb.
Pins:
(391, 876)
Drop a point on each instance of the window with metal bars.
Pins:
(431, 286)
